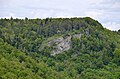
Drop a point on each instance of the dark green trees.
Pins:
(94, 54)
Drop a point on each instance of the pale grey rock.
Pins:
(60, 44)
(77, 36)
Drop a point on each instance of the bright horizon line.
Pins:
(56, 17)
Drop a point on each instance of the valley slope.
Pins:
(58, 48)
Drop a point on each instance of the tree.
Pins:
(116, 54)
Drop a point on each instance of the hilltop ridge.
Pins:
(58, 48)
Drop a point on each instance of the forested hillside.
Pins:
(58, 48)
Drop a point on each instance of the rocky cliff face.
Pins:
(60, 44)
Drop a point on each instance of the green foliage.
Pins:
(116, 54)
(24, 54)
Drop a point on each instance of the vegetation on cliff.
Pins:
(27, 45)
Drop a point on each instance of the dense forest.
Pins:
(58, 48)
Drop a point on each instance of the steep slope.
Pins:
(15, 64)
(58, 48)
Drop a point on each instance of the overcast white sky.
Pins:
(106, 12)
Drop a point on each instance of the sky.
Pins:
(107, 12)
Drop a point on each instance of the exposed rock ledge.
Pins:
(62, 44)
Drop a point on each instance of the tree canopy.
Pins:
(95, 55)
